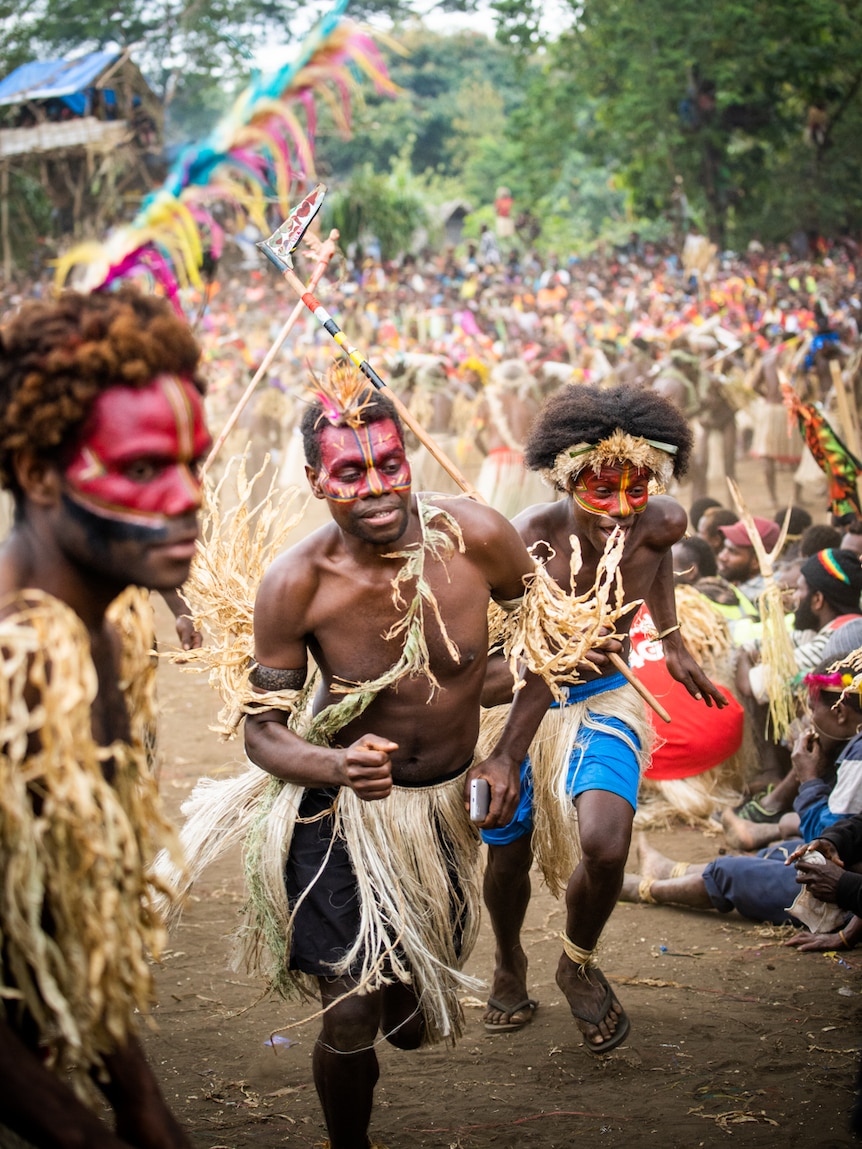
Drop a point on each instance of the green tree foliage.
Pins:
(456, 90)
(722, 95)
(380, 204)
(190, 50)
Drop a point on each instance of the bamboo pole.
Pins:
(326, 253)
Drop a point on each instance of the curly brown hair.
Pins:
(57, 356)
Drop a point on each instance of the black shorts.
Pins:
(327, 922)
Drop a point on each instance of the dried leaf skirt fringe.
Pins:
(405, 850)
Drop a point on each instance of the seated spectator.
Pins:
(699, 508)
(709, 523)
(820, 789)
(735, 589)
(693, 559)
(762, 888)
(827, 598)
(851, 540)
(818, 537)
(737, 560)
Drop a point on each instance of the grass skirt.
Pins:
(78, 917)
(405, 850)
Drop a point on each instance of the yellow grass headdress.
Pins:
(472, 363)
(618, 448)
(344, 393)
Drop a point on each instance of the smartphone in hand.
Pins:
(480, 799)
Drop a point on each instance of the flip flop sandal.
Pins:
(623, 1025)
(754, 811)
(510, 1026)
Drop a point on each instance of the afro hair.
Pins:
(583, 414)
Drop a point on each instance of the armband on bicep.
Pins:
(270, 678)
(273, 688)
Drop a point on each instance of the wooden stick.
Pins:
(327, 251)
(328, 323)
(633, 680)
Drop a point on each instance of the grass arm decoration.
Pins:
(556, 628)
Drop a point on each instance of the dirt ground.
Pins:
(735, 1038)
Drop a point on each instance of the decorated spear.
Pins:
(279, 250)
(326, 253)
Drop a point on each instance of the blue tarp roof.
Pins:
(43, 79)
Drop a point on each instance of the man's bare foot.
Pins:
(509, 989)
(654, 864)
(744, 835)
(631, 886)
(599, 1016)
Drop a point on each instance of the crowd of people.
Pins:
(372, 669)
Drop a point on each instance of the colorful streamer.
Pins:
(256, 155)
(837, 462)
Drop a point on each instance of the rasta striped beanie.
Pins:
(837, 574)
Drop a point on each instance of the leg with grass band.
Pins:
(600, 1017)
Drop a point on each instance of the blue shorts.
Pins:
(602, 759)
(760, 886)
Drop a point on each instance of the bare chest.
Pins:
(362, 625)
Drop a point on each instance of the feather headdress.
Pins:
(255, 155)
(343, 393)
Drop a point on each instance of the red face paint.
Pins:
(363, 463)
(137, 462)
(614, 491)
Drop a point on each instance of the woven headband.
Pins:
(619, 447)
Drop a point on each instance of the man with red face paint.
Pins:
(605, 450)
(101, 434)
(382, 874)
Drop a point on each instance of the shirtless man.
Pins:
(332, 596)
(509, 404)
(776, 441)
(602, 448)
(101, 430)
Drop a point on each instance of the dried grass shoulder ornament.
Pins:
(404, 879)
(76, 849)
(618, 448)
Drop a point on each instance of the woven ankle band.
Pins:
(581, 958)
(645, 891)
